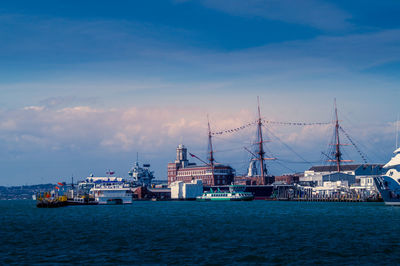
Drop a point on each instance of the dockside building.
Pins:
(183, 170)
(362, 174)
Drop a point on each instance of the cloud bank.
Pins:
(84, 132)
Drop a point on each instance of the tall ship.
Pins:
(389, 183)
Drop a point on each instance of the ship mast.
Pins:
(210, 150)
(260, 144)
(337, 153)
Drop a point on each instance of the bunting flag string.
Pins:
(296, 123)
(234, 129)
(267, 122)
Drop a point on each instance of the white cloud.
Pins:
(34, 108)
(151, 128)
(84, 137)
(114, 129)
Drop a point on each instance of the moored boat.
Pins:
(82, 200)
(112, 193)
(50, 200)
(389, 183)
(235, 193)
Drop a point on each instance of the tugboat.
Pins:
(50, 200)
(235, 193)
(389, 183)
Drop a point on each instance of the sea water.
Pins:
(258, 232)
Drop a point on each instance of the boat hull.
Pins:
(51, 204)
(225, 199)
(114, 200)
(81, 203)
(389, 190)
(235, 193)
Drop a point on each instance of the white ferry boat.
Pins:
(235, 193)
(112, 193)
(389, 183)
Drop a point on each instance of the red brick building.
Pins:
(182, 170)
(287, 179)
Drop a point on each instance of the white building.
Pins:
(332, 189)
(181, 190)
(363, 175)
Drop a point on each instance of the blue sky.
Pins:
(84, 85)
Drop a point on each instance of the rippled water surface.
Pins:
(258, 232)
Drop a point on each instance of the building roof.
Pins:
(338, 174)
(333, 168)
(345, 167)
(216, 166)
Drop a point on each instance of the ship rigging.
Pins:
(257, 162)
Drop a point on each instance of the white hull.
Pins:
(109, 200)
(392, 203)
(389, 183)
(113, 194)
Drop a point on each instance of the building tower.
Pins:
(181, 156)
(252, 171)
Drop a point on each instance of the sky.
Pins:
(86, 85)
